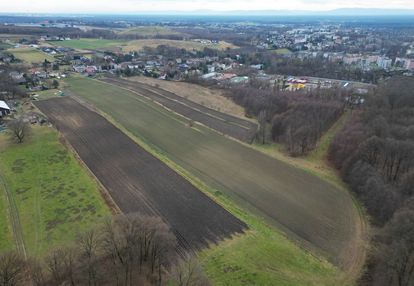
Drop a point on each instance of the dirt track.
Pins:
(235, 127)
(136, 180)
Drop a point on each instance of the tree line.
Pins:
(125, 250)
(375, 154)
(295, 119)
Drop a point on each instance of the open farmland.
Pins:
(139, 45)
(136, 45)
(149, 31)
(30, 55)
(208, 97)
(89, 44)
(50, 196)
(318, 214)
(235, 127)
(136, 180)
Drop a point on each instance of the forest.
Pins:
(375, 155)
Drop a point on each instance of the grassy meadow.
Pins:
(229, 172)
(136, 45)
(281, 51)
(54, 195)
(149, 31)
(89, 44)
(31, 55)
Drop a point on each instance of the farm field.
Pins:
(281, 51)
(88, 44)
(136, 180)
(54, 196)
(4, 46)
(319, 215)
(30, 55)
(135, 45)
(138, 45)
(210, 98)
(149, 31)
(235, 127)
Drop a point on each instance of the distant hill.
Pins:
(336, 12)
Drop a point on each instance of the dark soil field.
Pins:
(232, 126)
(137, 181)
(318, 214)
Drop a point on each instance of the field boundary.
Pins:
(103, 191)
(14, 219)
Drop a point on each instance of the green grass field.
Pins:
(6, 236)
(31, 55)
(89, 44)
(56, 198)
(281, 51)
(136, 45)
(288, 198)
(4, 46)
(149, 31)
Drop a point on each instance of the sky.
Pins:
(136, 6)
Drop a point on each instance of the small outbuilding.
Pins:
(4, 108)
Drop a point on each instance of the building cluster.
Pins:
(361, 48)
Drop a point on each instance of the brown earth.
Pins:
(136, 180)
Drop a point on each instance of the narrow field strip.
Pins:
(235, 127)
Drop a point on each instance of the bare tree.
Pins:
(36, 273)
(19, 129)
(188, 272)
(89, 243)
(136, 246)
(61, 265)
(262, 118)
(12, 268)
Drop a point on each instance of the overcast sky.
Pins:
(133, 6)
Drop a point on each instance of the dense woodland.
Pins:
(125, 250)
(375, 154)
(297, 120)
